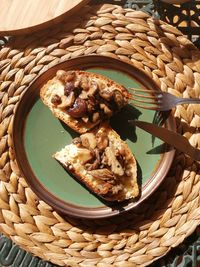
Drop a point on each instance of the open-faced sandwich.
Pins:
(82, 99)
(103, 163)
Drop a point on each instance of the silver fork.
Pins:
(158, 100)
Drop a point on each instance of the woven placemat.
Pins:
(173, 212)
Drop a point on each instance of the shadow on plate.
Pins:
(160, 149)
(159, 119)
(72, 133)
(120, 123)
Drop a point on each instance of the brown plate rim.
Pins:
(23, 109)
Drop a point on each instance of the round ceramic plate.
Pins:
(37, 135)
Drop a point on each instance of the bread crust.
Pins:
(130, 190)
(77, 124)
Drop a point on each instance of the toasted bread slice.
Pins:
(82, 99)
(103, 163)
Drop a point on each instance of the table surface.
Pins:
(186, 254)
(27, 16)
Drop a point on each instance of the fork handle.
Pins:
(181, 101)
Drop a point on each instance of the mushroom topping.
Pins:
(101, 85)
(61, 75)
(70, 76)
(69, 87)
(84, 83)
(118, 98)
(91, 104)
(88, 140)
(106, 109)
(84, 155)
(96, 163)
(95, 117)
(106, 94)
(67, 101)
(102, 141)
(77, 81)
(79, 108)
(102, 174)
(56, 100)
(121, 150)
(83, 95)
(77, 141)
(112, 161)
(107, 182)
(93, 88)
(104, 160)
(85, 119)
(64, 76)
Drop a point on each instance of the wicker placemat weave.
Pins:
(173, 211)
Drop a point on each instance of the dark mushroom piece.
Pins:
(96, 163)
(77, 141)
(69, 87)
(91, 104)
(118, 98)
(79, 108)
(56, 100)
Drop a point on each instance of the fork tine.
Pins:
(144, 90)
(144, 101)
(146, 107)
(154, 95)
(146, 96)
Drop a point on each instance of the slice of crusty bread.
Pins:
(109, 181)
(56, 86)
